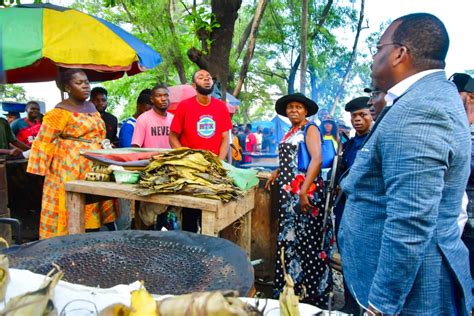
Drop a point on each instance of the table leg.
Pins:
(75, 203)
(208, 223)
(240, 232)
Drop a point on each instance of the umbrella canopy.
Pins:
(182, 92)
(38, 38)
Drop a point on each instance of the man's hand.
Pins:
(373, 312)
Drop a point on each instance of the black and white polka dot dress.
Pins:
(301, 234)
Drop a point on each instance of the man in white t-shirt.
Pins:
(152, 129)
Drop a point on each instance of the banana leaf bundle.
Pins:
(36, 303)
(199, 173)
(205, 303)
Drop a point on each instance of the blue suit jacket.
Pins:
(399, 238)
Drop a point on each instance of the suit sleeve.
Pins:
(415, 159)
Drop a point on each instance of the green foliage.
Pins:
(201, 23)
(13, 92)
(9, 3)
(171, 28)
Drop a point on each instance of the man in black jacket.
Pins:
(99, 98)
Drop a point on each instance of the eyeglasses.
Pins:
(375, 93)
(375, 49)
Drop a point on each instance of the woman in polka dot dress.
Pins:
(301, 212)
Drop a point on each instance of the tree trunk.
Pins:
(351, 60)
(304, 43)
(313, 80)
(217, 61)
(251, 47)
(178, 63)
(292, 76)
(294, 68)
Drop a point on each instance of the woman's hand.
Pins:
(14, 152)
(272, 178)
(304, 202)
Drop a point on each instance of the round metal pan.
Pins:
(173, 262)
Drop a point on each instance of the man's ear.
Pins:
(401, 56)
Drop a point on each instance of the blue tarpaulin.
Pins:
(282, 126)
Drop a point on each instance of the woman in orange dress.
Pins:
(73, 125)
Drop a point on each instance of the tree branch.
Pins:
(313, 35)
(351, 60)
(130, 17)
(250, 48)
(322, 19)
(197, 57)
(304, 44)
(178, 63)
(244, 38)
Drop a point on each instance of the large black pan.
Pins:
(173, 262)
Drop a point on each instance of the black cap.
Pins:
(281, 103)
(357, 104)
(463, 82)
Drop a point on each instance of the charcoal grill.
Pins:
(173, 262)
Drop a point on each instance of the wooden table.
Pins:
(216, 215)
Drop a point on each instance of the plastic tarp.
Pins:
(282, 126)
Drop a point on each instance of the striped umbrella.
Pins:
(37, 38)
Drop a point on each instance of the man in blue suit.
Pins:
(399, 239)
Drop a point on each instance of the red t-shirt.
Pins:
(250, 143)
(201, 127)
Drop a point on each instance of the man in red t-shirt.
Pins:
(250, 142)
(202, 122)
(26, 129)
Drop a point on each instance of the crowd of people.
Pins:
(398, 213)
(399, 216)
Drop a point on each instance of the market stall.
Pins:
(216, 215)
(183, 178)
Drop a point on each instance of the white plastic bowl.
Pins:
(125, 176)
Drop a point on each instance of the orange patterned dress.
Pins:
(55, 154)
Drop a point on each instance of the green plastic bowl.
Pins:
(125, 176)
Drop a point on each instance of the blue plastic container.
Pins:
(13, 106)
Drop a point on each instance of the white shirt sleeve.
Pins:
(462, 218)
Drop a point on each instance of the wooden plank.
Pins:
(126, 191)
(239, 232)
(233, 210)
(264, 229)
(75, 203)
(208, 221)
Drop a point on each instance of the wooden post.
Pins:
(208, 223)
(75, 204)
(239, 232)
